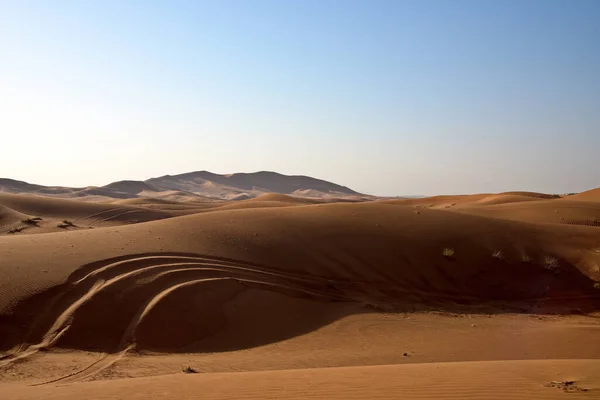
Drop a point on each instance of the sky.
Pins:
(387, 97)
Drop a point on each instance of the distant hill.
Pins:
(250, 184)
(197, 185)
(14, 186)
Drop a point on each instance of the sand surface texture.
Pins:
(294, 295)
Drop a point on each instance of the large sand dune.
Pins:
(194, 186)
(589, 195)
(561, 211)
(278, 283)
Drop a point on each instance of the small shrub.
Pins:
(527, 259)
(551, 263)
(65, 224)
(448, 252)
(499, 255)
(31, 221)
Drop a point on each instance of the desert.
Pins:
(299, 199)
(338, 296)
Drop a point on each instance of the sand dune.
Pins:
(16, 187)
(13, 221)
(505, 198)
(234, 185)
(195, 186)
(518, 206)
(435, 201)
(370, 254)
(279, 282)
(190, 206)
(142, 201)
(590, 195)
(559, 211)
(55, 215)
(132, 187)
(470, 200)
(531, 194)
(281, 197)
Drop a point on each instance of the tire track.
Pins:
(108, 277)
(139, 283)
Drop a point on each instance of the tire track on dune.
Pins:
(98, 213)
(133, 212)
(54, 333)
(138, 284)
(324, 286)
(111, 217)
(580, 221)
(127, 342)
(107, 276)
(145, 263)
(112, 213)
(103, 362)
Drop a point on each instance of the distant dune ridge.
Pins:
(206, 184)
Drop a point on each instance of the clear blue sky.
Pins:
(387, 97)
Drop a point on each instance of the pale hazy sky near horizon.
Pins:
(386, 97)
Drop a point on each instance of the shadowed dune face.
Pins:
(175, 302)
(217, 273)
(9, 217)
